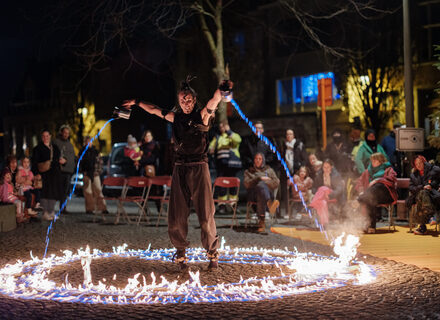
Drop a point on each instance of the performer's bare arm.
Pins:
(150, 108)
(209, 111)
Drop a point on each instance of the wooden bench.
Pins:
(8, 219)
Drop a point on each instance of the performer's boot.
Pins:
(180, 258)
(261, 225)
(213, 260)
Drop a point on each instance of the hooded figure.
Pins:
(338, 151)
(423, 187)
(261, 181)
(367, 148)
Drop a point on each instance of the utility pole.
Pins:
(409, 99)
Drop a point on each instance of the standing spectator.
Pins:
(328, 186)
(8, 195)
(11, 167)
(367, 148)
(261, 181)
(91, 167)
(389, 146)
(225, 147)
(339, 152)
(68, 153)
(150, 155)
(46, 161)
(133, 152)
(314, 165)
(252, 144)
(423, 188)
(378, 187)
(25, 180)
(294, 152)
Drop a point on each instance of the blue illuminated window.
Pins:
(302, 90)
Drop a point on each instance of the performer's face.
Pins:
(186, 102)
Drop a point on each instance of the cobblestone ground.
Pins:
(400, 291)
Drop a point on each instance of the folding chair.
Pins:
(250, 213)
(165, 183)
(140, 183)
(116, 182)
(228, 183)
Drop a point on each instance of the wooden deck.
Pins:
(401, 246)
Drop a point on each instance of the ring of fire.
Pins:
(299, 273)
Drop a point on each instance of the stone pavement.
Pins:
(399, 292)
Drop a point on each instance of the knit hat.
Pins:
(131, 139)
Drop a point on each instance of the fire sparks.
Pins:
(303, 273)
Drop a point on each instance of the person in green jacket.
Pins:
(367, 148)
(225, 148)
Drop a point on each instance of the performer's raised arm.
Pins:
(209, 111)
(150, 108)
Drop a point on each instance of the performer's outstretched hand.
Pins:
(129, 103)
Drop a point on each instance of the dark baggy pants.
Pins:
(375, 195)
(192, 181)
(260, 194)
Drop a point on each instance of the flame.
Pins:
(309, 273)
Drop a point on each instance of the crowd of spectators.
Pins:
(322, 179)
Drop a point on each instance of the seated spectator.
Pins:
(377, 186)
(314, 165)
(150, 155)
(91, 167)
(225, 148)
(25, 181)
(366, 149)
(328, 186)
(11, 166)
(9, 195)
(304, 184)
(423, 187)
(133, 151)
(260, 181)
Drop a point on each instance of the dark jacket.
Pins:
(90, 162)
(250, 146)
(341, 157)
(150, 153)
(67, 152)
(337, 184)
(52, 178)
(431, 176)
(300, 157)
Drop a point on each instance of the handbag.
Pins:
(150, 170)
(45, 165)
(234, 161)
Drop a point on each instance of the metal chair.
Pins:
(228, 183)
(140, 183)
(116, 182)
(250, 211)
(165, 183)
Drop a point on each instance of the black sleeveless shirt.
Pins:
(190, 137)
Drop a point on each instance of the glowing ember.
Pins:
(309, 273)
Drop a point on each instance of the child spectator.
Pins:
(304, 184)
(133, 151)
(25, 180)
(8, 195)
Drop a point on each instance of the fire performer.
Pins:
(191, 178)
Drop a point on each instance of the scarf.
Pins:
(289, 154)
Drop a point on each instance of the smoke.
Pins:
(351, 220)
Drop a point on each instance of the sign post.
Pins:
(325, 99)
